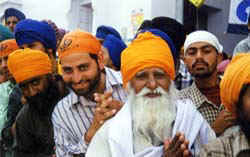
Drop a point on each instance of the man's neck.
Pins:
(208, 82)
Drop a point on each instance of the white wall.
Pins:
(118, 13)
(55, 10)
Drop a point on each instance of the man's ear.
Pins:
(50, 54)
(100, 60)
(219, 58)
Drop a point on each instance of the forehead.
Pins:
(151, 69)
(76, 59)
(12, 18)
(199, 45)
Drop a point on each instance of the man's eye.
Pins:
(141, 76)
(83, 68)
(67, 70)
(35, 82)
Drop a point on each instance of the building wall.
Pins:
(217, 24)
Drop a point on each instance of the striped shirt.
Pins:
(73, 116)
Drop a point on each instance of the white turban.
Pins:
(202, 36)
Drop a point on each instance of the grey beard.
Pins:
(152, 118)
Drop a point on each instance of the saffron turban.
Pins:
(115, 47)
(79, 41)
(169, 41)
(236, 75)
(25, 64)
(202, 36)
(147, 50)
(7, 47)
(14, 12)
(103, 31)
(5, 33)
(29, 31)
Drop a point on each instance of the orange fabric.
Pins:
(147, 50)
(8, 46)
(79, 41)
(236, 75)
(25, 64)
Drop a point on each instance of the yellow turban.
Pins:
(25, 64)
(79, 41)
(7, 47)
(236, 75)
(147, 50)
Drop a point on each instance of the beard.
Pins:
(207, 73)
(43, 102)
(91, 89)
(152, 117)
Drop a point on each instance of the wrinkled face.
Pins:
(5, 75)
(151, 78)
(81, 73)
(201, 59)
(11, 23)
(34, 86)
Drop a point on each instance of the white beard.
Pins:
(152, 117)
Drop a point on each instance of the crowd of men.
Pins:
(165, 94)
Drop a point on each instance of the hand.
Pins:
(177, 147)
(223, 121)
(106, 108)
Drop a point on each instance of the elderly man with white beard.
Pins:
(153, 122)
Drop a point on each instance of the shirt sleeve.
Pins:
(66, 144)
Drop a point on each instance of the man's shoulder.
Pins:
(65, 102)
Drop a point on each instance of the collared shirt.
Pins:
(183, 78)
(243, 46)
(207, 109)
(73, 116)
(227, 146)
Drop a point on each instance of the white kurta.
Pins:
(115, 137)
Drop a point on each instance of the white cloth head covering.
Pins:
(202, 36)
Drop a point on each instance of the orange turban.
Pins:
(79, 41)
(147, 50)
(236, 75)
(25, 64)
(8, 46)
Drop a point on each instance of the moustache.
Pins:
(199, 62)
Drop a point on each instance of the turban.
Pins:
(103, 31)
(29, 31)
(169, 41)
(173, 29)
(115, 47)
(5, 33)
(147, 50)
(14, 12)
(79, 41)
(203, 36)
(25, 64)
(7, 47)
(236, 75)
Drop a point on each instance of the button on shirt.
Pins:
(73, 116)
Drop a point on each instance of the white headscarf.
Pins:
(202, 36)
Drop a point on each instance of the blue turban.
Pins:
(28, 31)
(168, 40)
(115, 47)
(14, 12)
(5, 33)
(103, 31)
